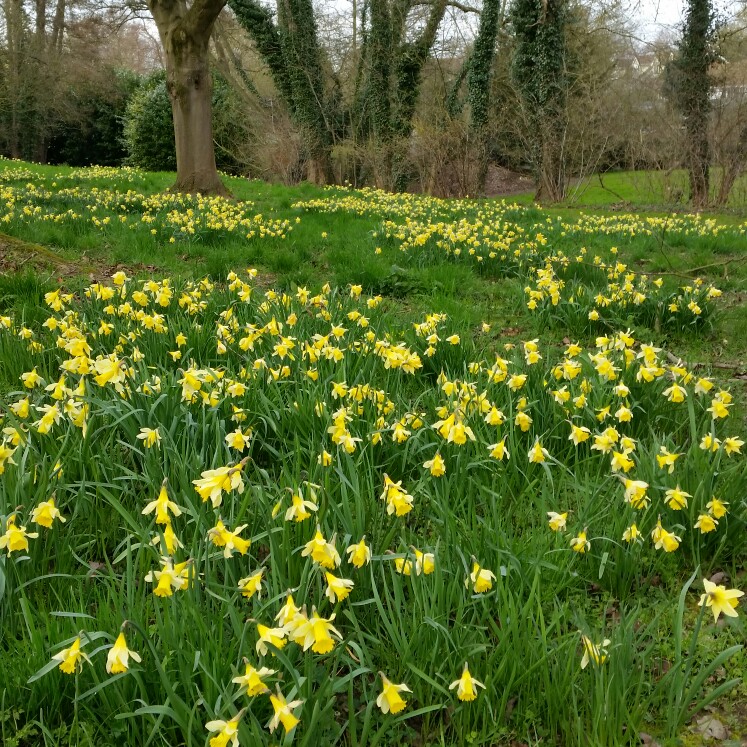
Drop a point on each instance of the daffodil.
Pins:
(251, 585)
(15, 539)
(300, 508)
(663, 539)
(706, 523)
(252, 680)
(717, 508)
(437, 466)
(398, 501)
(214, 482)
(163, 506)
(71, 659)
(390, 700)
(118, 658)
(46, 512)
(274, 636)
(676, 498)
(481, 579)
(538, 454)
(150, 437)
(283, 712)
(580, 544)
(220, 536)
(720, 599)
(227, 731)
(466, 686)
(168, 579)
(359, 554)
(337, 588)
(322, 552)
(631, 534)
(594, 652)
(557, 521)
(316, 633)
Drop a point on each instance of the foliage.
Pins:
(97, 136)
(149, 127)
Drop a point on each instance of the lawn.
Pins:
(346, 467)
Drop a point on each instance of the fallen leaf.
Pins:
(711, 728)
(648, 740)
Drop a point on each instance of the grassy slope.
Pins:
(347, 255)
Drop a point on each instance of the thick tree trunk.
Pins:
(190, 89)
(699, 160)
(185, 36)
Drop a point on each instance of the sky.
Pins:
(657, 14)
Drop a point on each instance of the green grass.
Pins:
(646, 190)
(666, 660)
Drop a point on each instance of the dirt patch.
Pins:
(502, 182)
(17, 255)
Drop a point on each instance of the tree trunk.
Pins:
(185, 36)
(190, 89)
(699, 160)
(734, 168)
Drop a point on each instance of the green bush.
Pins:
(149, 127)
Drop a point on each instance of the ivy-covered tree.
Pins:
(292, 52)
(689, 84)
(541, 74)
(479, 76)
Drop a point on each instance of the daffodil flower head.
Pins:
(227, 731)
(359, 554)
(481, 579)
(594, 652)
(283, 712)
(252, 680)
(71, 659)
(720, 599)
(118, 658)
(466, 686)
(390, 700)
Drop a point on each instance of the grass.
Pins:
(651, 190)
(422, 329)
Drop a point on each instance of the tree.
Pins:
(479, 79)
(295, 59)
(540, 72)
(185, 36)
(689, 84)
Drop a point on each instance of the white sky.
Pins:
(656, 15)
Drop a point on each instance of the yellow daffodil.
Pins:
(594, 652)
(46, 512)
(283, 712)
(251, 585)
(481, 579)
(390, 700)
(720, 599)
(359, 554)
(251, 681)
(466, 686)
(557, 521)
(71, 659)
(118, 658)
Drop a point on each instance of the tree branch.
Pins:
(201, 17)
(451, 4)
